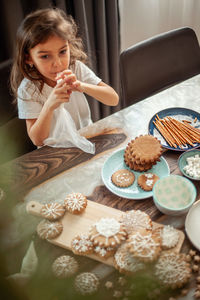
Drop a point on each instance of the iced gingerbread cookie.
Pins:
(172, 269)
(82, 245)
(134, 220)
(107, 232)
(123, 178)
(104, 252)
(64, 266)
(86, 283)
(147, 180)
(52, 211)
(124, 261)
(145, 245)
(75, 203)
(49, 230)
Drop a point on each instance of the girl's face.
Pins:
(50, 58)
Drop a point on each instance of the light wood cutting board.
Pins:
(77, 224)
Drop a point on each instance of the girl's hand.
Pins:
(60, 94)
(70, 79)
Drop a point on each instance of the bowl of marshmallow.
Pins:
(189, 164)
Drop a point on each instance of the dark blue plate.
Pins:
(178, 113)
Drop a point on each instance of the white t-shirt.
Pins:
(31, 100)
(68, 118)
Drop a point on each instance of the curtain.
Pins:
(140, 20)
(98, 22)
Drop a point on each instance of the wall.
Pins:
(141, 19)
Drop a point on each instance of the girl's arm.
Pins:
(102, 92)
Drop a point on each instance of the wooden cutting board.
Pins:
(78, 224)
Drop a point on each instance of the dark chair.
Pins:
(158, 63)
(14, 140)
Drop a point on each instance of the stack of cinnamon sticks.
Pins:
(176, 133)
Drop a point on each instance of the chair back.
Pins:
(157, 63)
(14, 140)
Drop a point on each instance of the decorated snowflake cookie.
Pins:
(172, 269)
(64, 266)
(107, 232)
(145, 245)
(86, 283)
(49, 230)
(82, 245)
(75, 203)
(134, 220)
(124, 261)
(52, 211)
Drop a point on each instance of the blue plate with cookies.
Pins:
(126, 183)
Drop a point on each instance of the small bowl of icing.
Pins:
(174, 195)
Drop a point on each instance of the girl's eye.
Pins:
(63, 51)
(45, 56)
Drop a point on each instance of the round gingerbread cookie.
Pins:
(145, 245)
(64, 266)
(147, 180)
(172, 269)
(82, 245)
(52, 211)
(134, 220)
(125, 262)
(108, 232)
(86, 283)
(49, 230)
(123, 178)
(75, 203)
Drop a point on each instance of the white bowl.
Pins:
(174, 195)
(192, 224)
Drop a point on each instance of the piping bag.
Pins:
(64, 134)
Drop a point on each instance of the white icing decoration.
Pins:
(148, 175)
(108, 227)
(144, 245)
(102, 250)
(149, 182)
(169, 236)
(123, 177)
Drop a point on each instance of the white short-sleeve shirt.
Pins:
(31, 100)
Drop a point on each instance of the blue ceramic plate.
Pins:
(182, 162)
(116, 162)
(178, 113)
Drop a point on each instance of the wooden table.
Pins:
(45, 164)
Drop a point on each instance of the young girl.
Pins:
(49, 78)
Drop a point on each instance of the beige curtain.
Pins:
(141, 19)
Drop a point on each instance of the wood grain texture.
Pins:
(42, 164)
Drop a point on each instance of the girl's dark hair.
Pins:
(36, 28)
